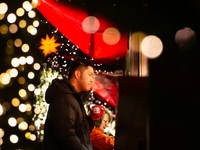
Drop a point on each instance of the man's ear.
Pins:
(77, 74)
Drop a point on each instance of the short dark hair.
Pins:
(98, 122)
(76, 64)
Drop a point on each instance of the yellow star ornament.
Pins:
(48, 45)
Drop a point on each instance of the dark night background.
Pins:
(174, 77)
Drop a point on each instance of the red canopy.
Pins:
(95, 36)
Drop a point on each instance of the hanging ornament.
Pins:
(48, 45)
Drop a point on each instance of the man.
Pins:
(67, 126)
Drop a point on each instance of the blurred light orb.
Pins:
(13, 72)
(90, 24)
(3, 8)
(19, 120)
(14, 138)
(21, 80)
(31, 14)
(10, 43)
(20, 12)
(22, 60)
(2, 16)
(27, 135)
(37, 91)
(9, 51)
(15, 102)
(1, 141)
(33, 137)
(33, 31)
(31, 75)
(34, 3)
(28, 107)
(1, 132)
(15, 62)
(25, 48)
(111, 36)
(23, 126)
(186, 38)
(31, 87)
(29, 60)
(31, 128)
(22, 24)
(37, 110)
(13, 28)
(6, 105)
(18, 42)
(11, 18)
(37, 66)
(151, 46)
(4, 78)
(22, 93)
(27, 5)
(4, 29)
(12, 121)
(22, 107)
(36, 23)
(1, 110)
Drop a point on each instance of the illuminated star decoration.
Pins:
(48, 45)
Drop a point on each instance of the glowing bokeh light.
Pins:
(4, 29)
(21, 80)
(27, 5)
(31, 87)
(37, 110)
(22, 93)
(19, 120)
(3, 8)
(27, 135)
(11, 18)
(90, 24)
(2, 16)
(33, 31)
(33, 137)
(31, 14)
(18, 42)
(22, 107)
(1, 141)
(31, 128)
(13, 28)
(37, 66)
(4, 78)
(9, 51)
(186, 38)
(37, 91)
(15, 102)
(28, 107)
(29, 60)
(12, 121)
(31, 75)
(23, 126)
(1, 132)
(1, 110)
(22, 60)
(6, 105)
(15, 62)
(152, 46)
(111, 36)
(22, 24)
(13, 72)
(36, 23)
(14, 138)
(20, 12)
(10, 43)
(25, 48)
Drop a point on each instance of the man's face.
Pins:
(86, 79)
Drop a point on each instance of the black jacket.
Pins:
(67, 126)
